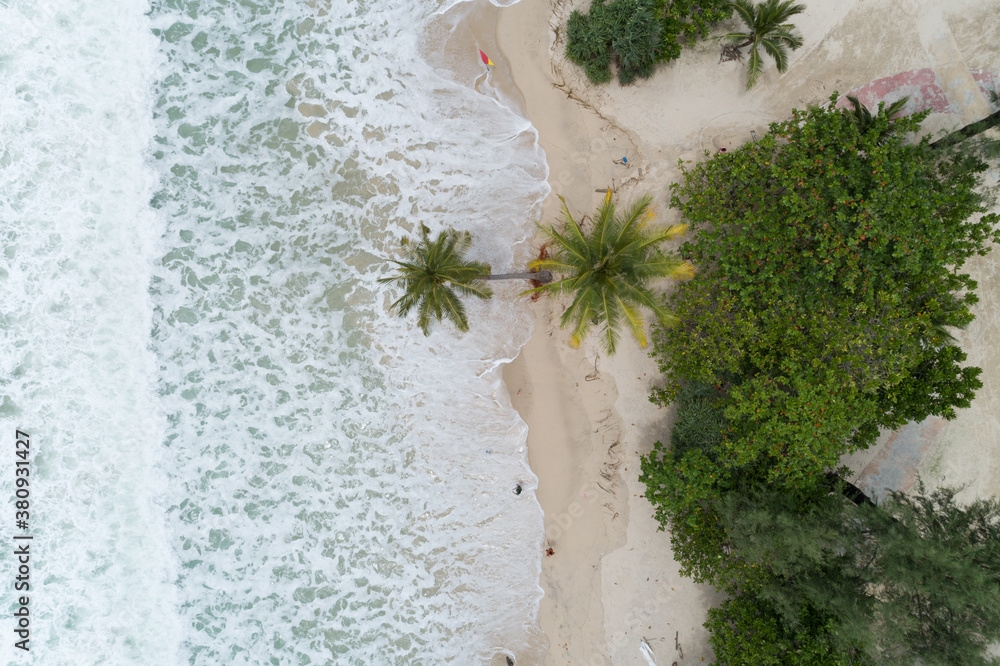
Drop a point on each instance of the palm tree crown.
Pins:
(432, 273)
(608, 270)
(863, 119)
(768, 29)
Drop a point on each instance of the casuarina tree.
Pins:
(913, 579)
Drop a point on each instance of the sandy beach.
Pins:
(612, 580)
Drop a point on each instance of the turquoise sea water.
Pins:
(238, 456)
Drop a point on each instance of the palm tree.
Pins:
(768, 28)
(991, 146)
(608, 269)
(435, 270)
(970, 130)
(863, 119)
(432, 273)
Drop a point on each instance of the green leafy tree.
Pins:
(748, 631)
(830, 270)
(608, 270)
(767, 29)
(683, 22)
(434, 274)
(635, 35)
(684, 480)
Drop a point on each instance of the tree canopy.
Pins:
(830, 268)
(915, 578)
(747, 630)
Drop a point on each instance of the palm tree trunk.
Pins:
(971, 129)
(849, 490)
(541, 276)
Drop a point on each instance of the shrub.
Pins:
(637, 34)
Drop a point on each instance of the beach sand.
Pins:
(612, 580)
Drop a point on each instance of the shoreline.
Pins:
(612, 580)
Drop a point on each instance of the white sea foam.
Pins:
(75, 367)
(241, 456)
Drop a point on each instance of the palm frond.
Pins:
(660, 236)
(774, 13)
(465, 271)
(662, 266)
(768, 29)
(559, 287)
(567, 285)
(786, 36)
(755, 66)
(452, 308)
(685, 271)
(611, 316)
(424, 315)
(605, 225)
(637, 214)
(404, 304)
(475, 289)
(641, 295)
(736, 37)
(552, 265)
(573, 226)
(861, 116)
(633, 317)
(776, 50)
(581, 329)
(896, 107)
(571, 245)
(584, 303)
(745, 10)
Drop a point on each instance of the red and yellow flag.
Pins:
(486, 58)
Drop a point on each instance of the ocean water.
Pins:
(237, 455)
